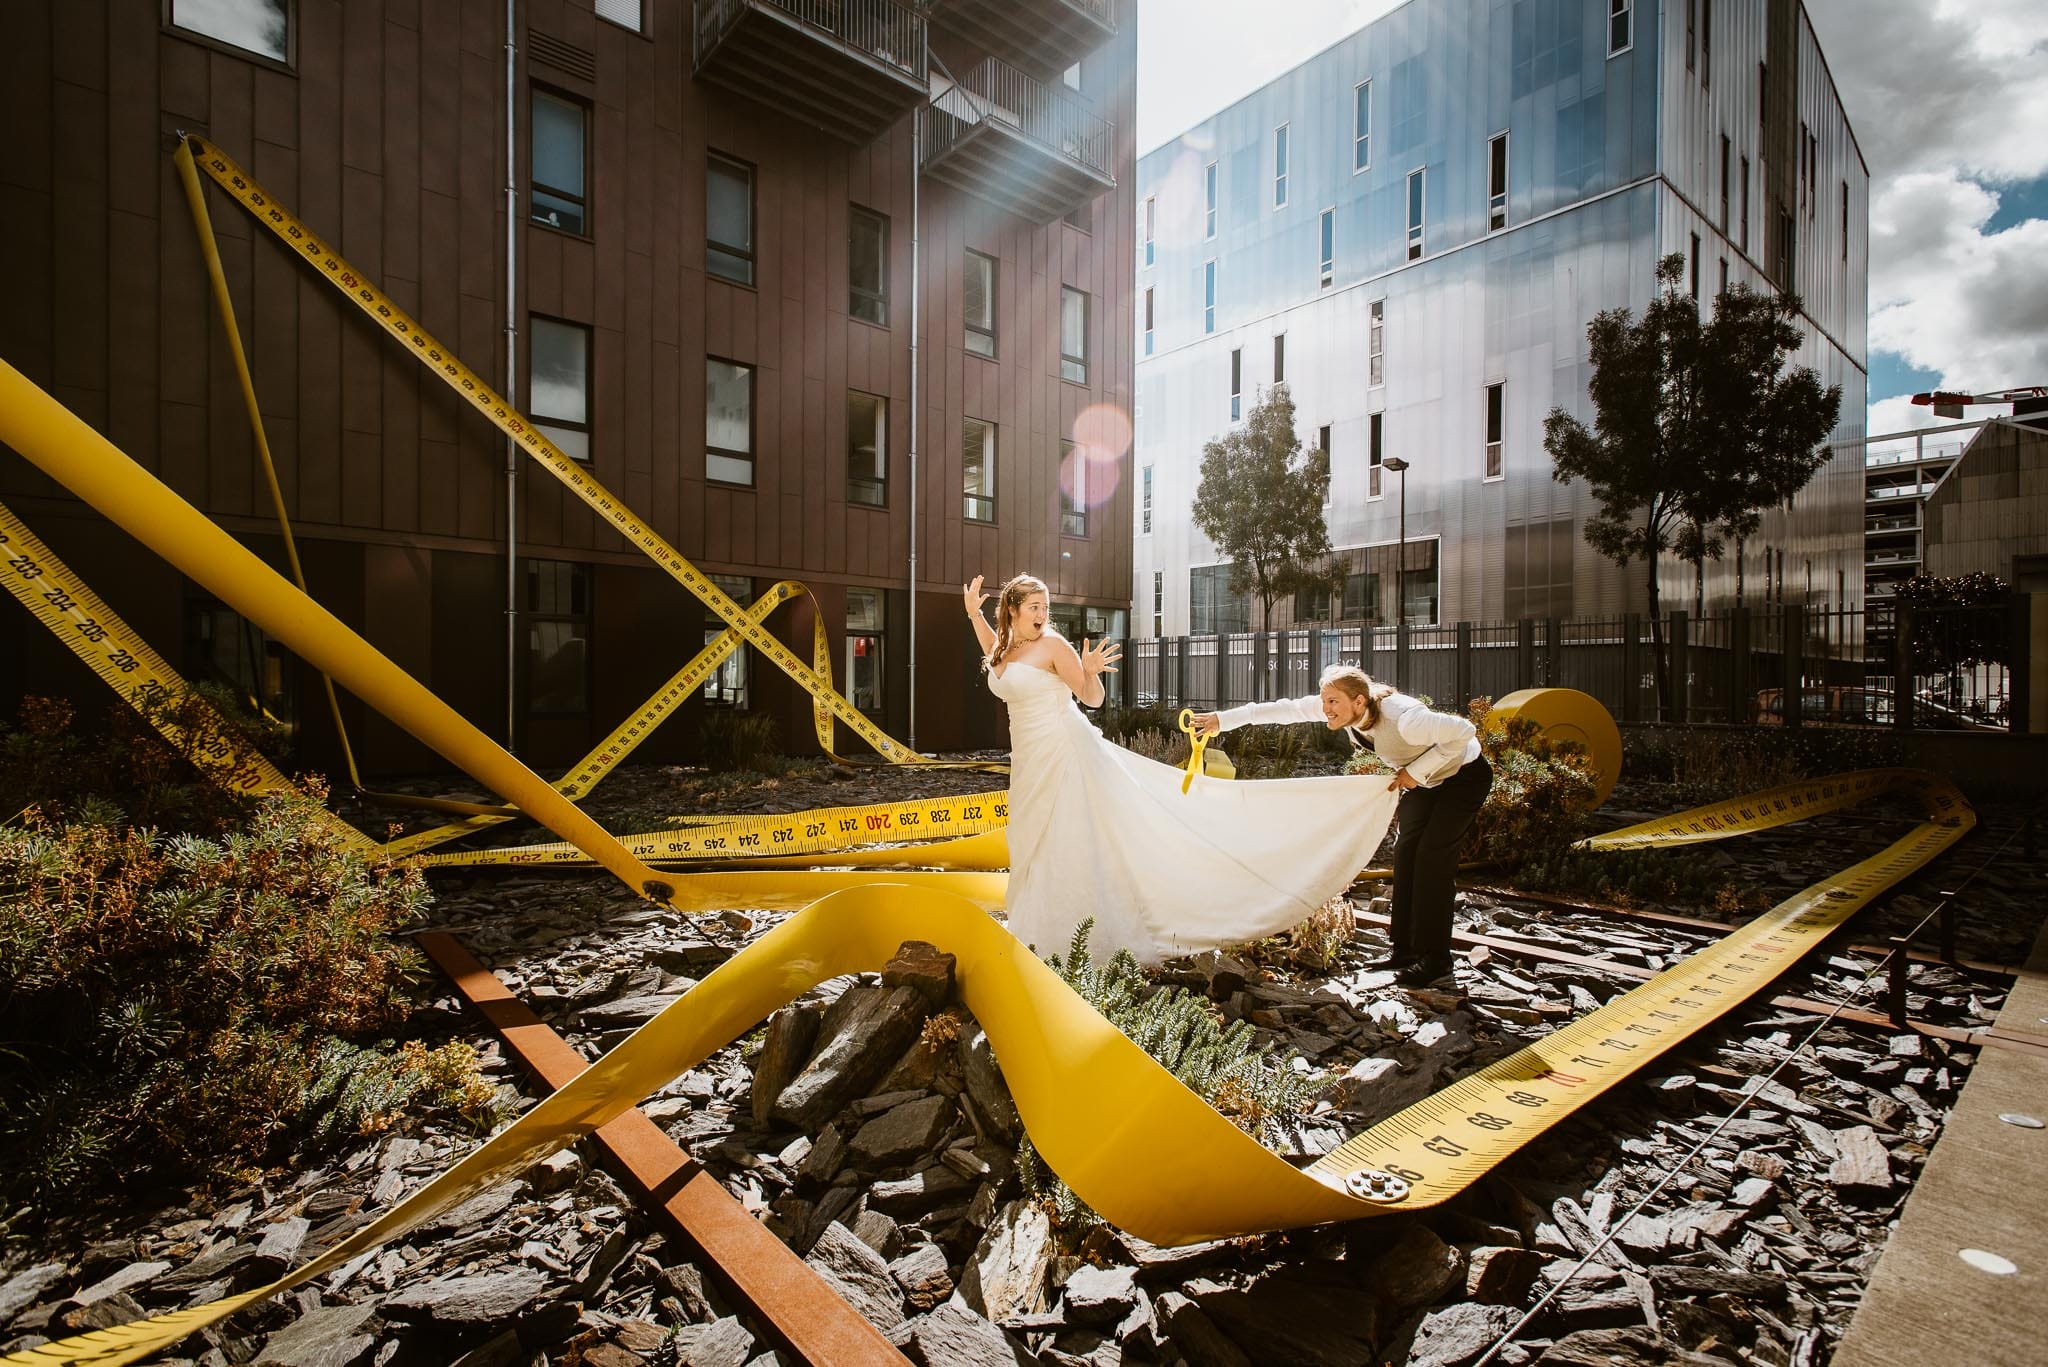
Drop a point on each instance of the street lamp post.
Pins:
(1400, 467)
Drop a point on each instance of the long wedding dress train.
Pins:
(1096, 830)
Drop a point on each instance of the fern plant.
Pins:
(1186, 1036)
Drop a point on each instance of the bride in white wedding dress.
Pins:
(1096, 830)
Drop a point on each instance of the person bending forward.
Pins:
(1441, 776)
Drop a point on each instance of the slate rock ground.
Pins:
(924, 1221)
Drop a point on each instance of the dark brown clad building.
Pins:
(798, 278)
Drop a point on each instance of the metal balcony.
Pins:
(1042, 36)
(848, 67)
(1018, 143)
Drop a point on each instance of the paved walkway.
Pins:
(1985, 1188)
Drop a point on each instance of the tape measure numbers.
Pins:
(819, 830)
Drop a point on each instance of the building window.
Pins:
(1148, 320)
(624, 13)
(978, 469)
(556, 197)
(1537, 569)
(1327, 272)
(1692, 38)
(1361, 126)
(864, 649)
(1621, 34)
(1071, 77)
(729, 219)
(1145, 502)
(1724, 275)
(1372, 591)
(1312, 604)
(1209, 201)
(262, 27)
(867, 449)
(1151, 221)
(1724, 183)
(1415, 179)
(728, 421)
(1375, 455)
(1742, 231)
(1496, 422)
(1763, 95)
(1073, 478)
(1845, 220)
(1280, 167)
(1786, 241)
(727, 686)
(1212, 607)
(979, 304)
(1693, 265)
(558, 383)
(224, 647)
(557, 619)
(1236, 383)
(1158, 603)
(1706, 43)
(1279, 358)
(1082, 216)
(1323, 445)
(1073, 335)
(1208, 296)
(1497, 183)
(867, 266)
(1376, 344)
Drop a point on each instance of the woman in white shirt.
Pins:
(1443, 781)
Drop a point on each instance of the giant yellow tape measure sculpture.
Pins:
(1122, 1132)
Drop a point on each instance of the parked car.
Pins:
(1838, 705)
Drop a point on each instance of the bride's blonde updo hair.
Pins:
(1359, 684)
(1008, 604)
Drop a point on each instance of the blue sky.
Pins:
(1949, 100)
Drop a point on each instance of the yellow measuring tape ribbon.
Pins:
(84, 624)
(1174, 1170)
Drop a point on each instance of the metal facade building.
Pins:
(1414, 228)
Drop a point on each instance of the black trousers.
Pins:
(1434, 822)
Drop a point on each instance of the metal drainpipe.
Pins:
(916, 158)
(511, 372)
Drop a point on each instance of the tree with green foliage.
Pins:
(1699, 428)
(1260, 502)
(1961, 622)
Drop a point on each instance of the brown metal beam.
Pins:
(785, 1296)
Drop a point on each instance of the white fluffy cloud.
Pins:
(1948, 102)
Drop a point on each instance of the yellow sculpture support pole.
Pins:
(68, 450)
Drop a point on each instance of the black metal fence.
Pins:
(1962, 667)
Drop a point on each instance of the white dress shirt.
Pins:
(1430, 745)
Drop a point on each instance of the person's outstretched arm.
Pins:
(983, 632)
(1082, 671)
(1284, 712)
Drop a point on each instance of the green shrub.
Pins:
(737, 741)
(1542, 791)
(1118, 723)
(1186, 1035)
(1167, 747)
(181, 1004)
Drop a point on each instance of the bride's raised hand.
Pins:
(1100, 658)
(973, 596)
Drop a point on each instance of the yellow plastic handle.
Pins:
(1198, 741)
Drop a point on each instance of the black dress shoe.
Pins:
(1395, 961)
(1423, 972)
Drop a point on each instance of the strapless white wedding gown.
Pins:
(1096, 830)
